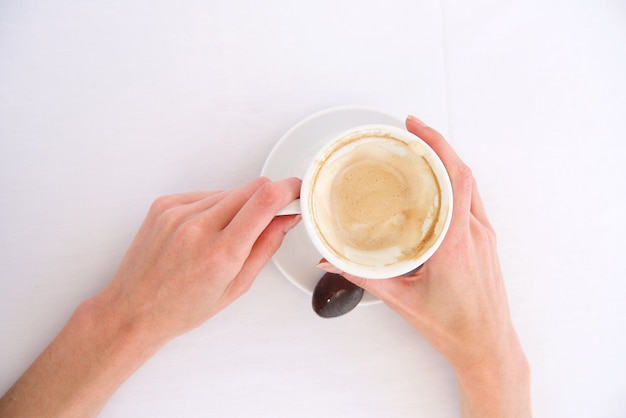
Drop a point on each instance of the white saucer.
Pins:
(297, 257)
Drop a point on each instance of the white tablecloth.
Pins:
(105, 106)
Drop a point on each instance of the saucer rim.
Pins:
(287, 137)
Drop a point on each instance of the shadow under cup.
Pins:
(376, 201)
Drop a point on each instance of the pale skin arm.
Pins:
(458, 302)
(194, 254)
(212, 245)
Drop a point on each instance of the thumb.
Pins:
(262, 251)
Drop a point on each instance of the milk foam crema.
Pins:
(376, 200)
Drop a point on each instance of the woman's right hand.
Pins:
(457, 300)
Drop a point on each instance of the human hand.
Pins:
(194, 254)
(197, 252)
(457, 299)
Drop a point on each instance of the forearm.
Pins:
(78, 372)
(193, 255)
(501, 389)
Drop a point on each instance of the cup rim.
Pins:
(387, 271)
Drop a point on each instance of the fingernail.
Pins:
(328, 268)
(416, 120)
(292, 223)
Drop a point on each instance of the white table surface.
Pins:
(105, 106)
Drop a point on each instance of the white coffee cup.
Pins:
(376, 201)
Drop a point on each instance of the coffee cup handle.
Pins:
(292, 208)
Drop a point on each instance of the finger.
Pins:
(257, 213)
(367, 284)
(197, 208)
(225, 210)
(478, 207)
(460, 174)
(169, 211)
(164, 203)
(387, 290)
(359, 281)
(263, 249)
(437, 142)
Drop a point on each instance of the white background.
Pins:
(106, 105)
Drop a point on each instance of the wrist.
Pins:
(95, 352)
(106, 322)
(109, 349)
(499, 386)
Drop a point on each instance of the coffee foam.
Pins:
(376, 200)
